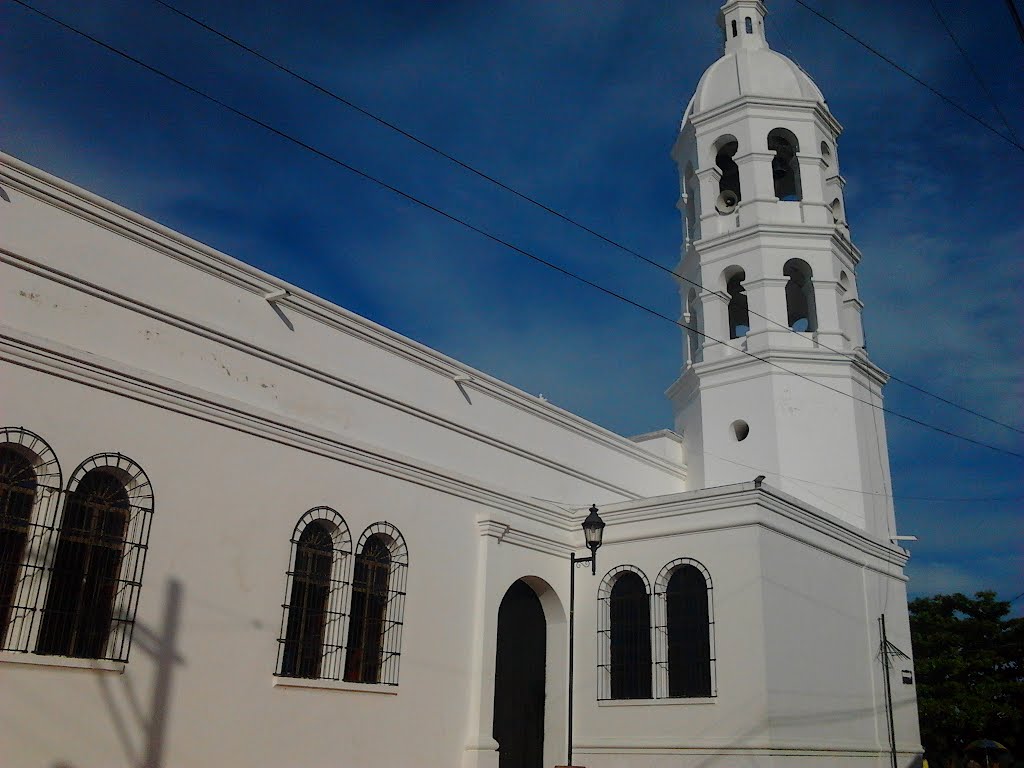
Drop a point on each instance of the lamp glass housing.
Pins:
(593, 529)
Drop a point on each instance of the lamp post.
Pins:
(593, 533)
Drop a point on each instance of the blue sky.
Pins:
(576, 104)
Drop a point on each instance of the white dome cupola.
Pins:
(768, 282)
(749, 66)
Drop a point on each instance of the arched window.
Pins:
(785, 165)
(313, 614)
(630, 638)
(691, 190)
(625, 635)
(800, 308)
(826, 155)
(29, 487)
(725, 150)
(748, 25)
(739, 314)
(849, 318)
(378, 598)
(686, 633)
(735, 30)
(17, 497)
(694, 328)
(837, 212)
(97, 569)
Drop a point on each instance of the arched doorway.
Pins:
(519, 679)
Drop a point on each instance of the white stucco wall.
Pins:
(144, 298)
(795, 608)
(224, 515)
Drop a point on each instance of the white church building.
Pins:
(242, 526)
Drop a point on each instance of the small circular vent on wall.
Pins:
(740, 429)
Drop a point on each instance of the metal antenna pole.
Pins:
(888, 688)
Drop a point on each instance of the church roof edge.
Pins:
(61, 193)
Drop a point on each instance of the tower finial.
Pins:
(742, 22)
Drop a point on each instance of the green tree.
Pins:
(969, 658)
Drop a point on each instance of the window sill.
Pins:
(655, 702)
(63, 662)
(335, 685)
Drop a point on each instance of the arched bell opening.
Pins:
(691, 189)
(785, 165)
(739, 312)
(826, 155)
(800, 307)
(694, 328)
(837, 212)
(729, 182)
(849, 316)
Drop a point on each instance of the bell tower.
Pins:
(776, 378)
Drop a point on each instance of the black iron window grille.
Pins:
(30, 481)
(378, 604)
(100, 552)
(17, 498)
(685, 631)
(80, 598)
(71, 561)
(624, 635)
(313, 617)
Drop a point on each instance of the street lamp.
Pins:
(593, 533)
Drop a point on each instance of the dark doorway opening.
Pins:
(519, 679)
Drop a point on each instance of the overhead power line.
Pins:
(392, 126)
(878, 494)
(490, 236)
(974, 70)
(1017, 22)
(528, 198)
(912, 76)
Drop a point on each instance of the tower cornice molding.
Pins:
(742, 366)
(827, 234)
(685, 387)
(769, 104)
(773, 507)
(846, 245)
(866, 366)
(756, 5)
(835, 177)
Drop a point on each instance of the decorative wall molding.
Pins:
(84, 368)
(743, 505)
(132, 226)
